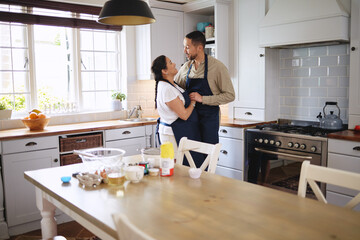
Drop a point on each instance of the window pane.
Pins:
(88, 81)
(87, 61)
(111, 41)
(112, 61)
(4, 35)
(100, 61)
(5, 59)
(99, 41)
(101, 81)
(54, 79)
(6, 82)
(86, 39)
(21, 81)
(20, 59)
(18, 36)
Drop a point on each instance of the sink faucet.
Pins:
(136, 109)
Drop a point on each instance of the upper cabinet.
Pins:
(164, 37)
(253, 72)
(354, 84)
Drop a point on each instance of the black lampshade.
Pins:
(126, 12)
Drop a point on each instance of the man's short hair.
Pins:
(197, 38)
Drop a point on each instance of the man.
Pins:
(208, 82)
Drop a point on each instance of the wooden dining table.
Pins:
(179, 207)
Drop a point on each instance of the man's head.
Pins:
(194, 44)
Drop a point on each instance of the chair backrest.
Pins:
(311, 173)
(127, 230)
(212, 151)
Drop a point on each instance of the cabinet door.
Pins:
(167, 35)
(249, 57)
(132, 146)
(231, 153)
(20, 203)
(354, 87)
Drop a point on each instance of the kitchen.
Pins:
(285, 78)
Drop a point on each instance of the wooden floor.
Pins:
(70, 230)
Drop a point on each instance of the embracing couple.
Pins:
(188, 100)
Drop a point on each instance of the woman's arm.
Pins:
(177, 106)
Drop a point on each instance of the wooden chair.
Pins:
(212, 151)
(127, 230)
(311, 173)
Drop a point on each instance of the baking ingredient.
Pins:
(116, 178)
(167, 159)
(357, 128)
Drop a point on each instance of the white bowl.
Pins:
(195, 172)
(134, 173)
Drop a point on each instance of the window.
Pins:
(58, 68)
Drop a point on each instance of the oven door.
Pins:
(278, 168)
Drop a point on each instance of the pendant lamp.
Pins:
(126, 12)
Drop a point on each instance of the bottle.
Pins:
(167, 159)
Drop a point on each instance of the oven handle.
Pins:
(283, 154)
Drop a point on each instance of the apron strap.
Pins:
(157, 131)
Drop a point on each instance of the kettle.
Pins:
(331, 121)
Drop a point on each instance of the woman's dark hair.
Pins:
(157, 66)
(197, 38)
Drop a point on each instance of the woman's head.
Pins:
(162, 67)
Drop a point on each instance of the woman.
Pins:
(177, 118)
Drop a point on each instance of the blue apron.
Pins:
(208, 115)
(189, 128)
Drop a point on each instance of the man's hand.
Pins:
(194, 96)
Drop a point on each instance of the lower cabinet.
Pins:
(231, 163)
(30, 154)
(342, 155)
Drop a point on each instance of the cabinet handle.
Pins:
(126, 132)
(56, 160)
(224, 152)
(81, 140)
(31, 144)
(248, 113)
(353, 48)
(223, 131)
(357, 148)
(261, 55)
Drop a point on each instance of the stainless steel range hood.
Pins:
(299, 23)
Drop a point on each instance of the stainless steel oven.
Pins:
(275, 152)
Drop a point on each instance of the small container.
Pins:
(167, 159)
(146, 167)
(154, 172)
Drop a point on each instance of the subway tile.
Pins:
(292, 82)
(338, 71)
(309, 82)
(282, 82)
(301, 72)
(318, 92)
(318, 71)
(303, 92)
(310, 62)
(338, 92)
(285, 110)
(285, 72)
(285, 53)
(288, 63)
(285, 91)
(309, 102)
(318, 51)
(323, 100)
(282, 100)
(343, 102)
(338, 49)
(344, 60)
(343, 81)
(314, 112)
(300, 52)
(300, 111)
(329, 60)
(292, 101)
(328, 81)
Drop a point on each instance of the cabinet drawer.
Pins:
(68, 159)
(339, 199)
(231, 153)
(231, 132)
(124, 133)
(82, 141)
(346, 163)
(228, 172)
(344, 147)
(249, 114)
(29, 144)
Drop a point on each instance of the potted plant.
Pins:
(117, 98)
(4, 112)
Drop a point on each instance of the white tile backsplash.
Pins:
(311, 76)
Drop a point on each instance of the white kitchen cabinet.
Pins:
(354, 84)
(231, 158)
(19, 156)
(164, 37)
(344, 156)
(132, 139)
(255, 75)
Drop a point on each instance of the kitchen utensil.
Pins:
(152, 156)
(331, 121)
(209, 31)
(77, 152)
(201, 26)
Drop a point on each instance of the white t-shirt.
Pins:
(166, 93)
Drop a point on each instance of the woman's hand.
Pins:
(194, 96)
(193, 103)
